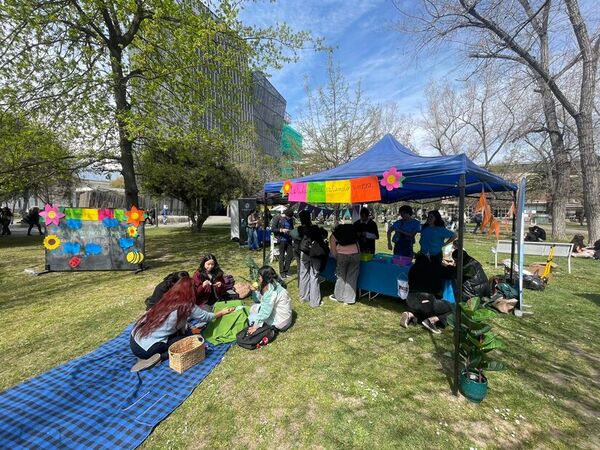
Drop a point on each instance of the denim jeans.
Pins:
(252, 238)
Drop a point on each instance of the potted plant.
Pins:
(476, 341)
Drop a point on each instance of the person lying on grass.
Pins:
(166, 323)
(275, 307)
(209, 284)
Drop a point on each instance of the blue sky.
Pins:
(367, 49)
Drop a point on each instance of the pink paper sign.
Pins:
(297, 192)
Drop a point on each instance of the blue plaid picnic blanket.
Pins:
(96, 402)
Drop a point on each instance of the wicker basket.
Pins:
(186, 353)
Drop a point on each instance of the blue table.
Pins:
(380, 276)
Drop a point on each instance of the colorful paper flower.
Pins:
(75, 224)
(51, 242)
(135, 216)
(392, 179)
(51, 215)
(135, 257)
(125, 243)
(72, 248)
(132, 231)
(74, 262)
(110, 222)
(93, 249)
(287, 187)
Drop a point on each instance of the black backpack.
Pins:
(345, 234)
(261, 337)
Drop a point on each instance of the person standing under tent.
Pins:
(367, 232)
(404, 231)
(345, 249)
(284, 225)
(434, 237)
(313, 254)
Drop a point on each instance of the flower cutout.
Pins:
(51, 242)
(74, 262)
(132, 231)
(51, 215)
(135, 216)
(287, 187)
(392, 179)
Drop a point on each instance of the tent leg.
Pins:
(264, 247)
(459, 282)
(513, 239)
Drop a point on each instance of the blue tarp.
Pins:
(426, 177)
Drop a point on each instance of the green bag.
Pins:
(225, 329)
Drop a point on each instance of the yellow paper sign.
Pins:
(338, 191)
(89, 214)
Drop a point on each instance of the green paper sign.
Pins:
(315, 192)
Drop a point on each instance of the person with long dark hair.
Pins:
(435, 236)
(163, 287)
(166, 322)
(275, 307)
(404, 231)
(209, 284)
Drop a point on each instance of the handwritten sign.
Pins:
(338, 191)
(297, 192)
(365, 189)
(315, 192)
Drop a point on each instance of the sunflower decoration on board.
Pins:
(51, 242)
(132, 231)
(286, 187)
(135, 216)
(392, 179)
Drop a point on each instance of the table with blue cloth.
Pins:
(380, 275)
(264, 236)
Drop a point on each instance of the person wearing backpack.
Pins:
(344, 248)
(285, 224)
(312, 249)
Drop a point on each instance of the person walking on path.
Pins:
(477, 218)
(34, 220)
(5, 220)
(164, 213)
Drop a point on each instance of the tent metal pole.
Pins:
(459, 282)
(264, 249)
(513, 238)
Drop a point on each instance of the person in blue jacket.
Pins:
(435, 236)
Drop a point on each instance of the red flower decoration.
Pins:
(135, 216)
(74, 262)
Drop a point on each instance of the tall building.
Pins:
(268, 110)
(291, 150)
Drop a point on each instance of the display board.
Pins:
(83, 239)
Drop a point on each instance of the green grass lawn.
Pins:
(343, 376)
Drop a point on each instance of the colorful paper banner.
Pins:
(357, 190)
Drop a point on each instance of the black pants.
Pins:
(159, 347)
(477, 226)
(5, 229)
(31, 225)
(286, 254)
(424, 305)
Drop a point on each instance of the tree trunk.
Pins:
(122, 110)
(561, 181)
(590, 171)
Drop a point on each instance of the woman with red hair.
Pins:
(165, 323)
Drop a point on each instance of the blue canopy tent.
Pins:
(425, 178)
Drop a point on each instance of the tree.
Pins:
(33, 159)
(519, 33)
(339, 123)
(76, 61)
(198, 175)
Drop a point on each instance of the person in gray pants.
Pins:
(346, 270)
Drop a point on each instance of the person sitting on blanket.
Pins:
(162, 287)
(274, 307)
(166, 323)
(579, 248)
(209, 284)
